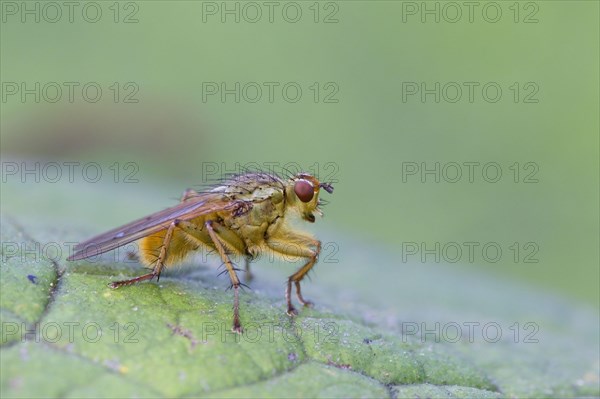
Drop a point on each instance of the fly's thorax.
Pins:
(249, 185)
(252, 225)
(265, 204)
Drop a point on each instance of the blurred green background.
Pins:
(169, 53)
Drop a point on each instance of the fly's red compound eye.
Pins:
(304, 190)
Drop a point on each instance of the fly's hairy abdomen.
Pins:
(181, 245)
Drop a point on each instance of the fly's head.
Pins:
(302, 194)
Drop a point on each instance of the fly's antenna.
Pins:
(327, 187)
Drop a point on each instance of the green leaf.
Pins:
(65, 333)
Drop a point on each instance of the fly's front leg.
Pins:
(160, 261)
(299, 245)
(303, 271)
(235, 281)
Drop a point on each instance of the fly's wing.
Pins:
(201, 204)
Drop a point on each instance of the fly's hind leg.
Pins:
(160, 261)
(302, 246)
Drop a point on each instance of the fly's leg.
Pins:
(249, 275)
(235, 282)
(217, 236)
(224, 241)
(159, 262)
(293, 244)
(301, 273)
(163, 251)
